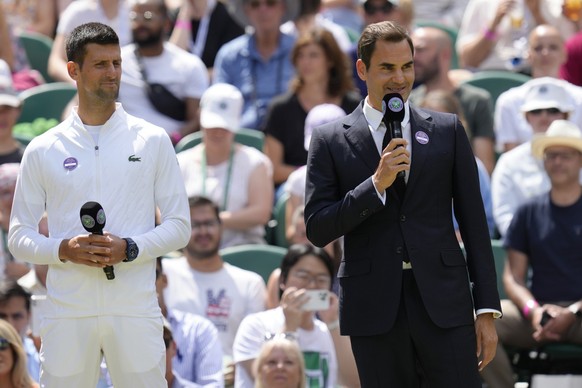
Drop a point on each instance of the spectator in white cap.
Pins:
(544, 251)
(518, 176)
(10, 107)
(236, 177)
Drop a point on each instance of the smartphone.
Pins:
(318, 300)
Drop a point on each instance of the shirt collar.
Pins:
(374, 117)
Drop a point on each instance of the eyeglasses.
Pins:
(321, 281)
(255, 4)
(549, 111)
(210, 224)
(4, 344)
(147, 16)
(370, 9)
(287, 335)
(565, 156)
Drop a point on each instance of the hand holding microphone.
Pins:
(93, 220)
(393, 108)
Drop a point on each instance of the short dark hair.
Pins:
(200, 201)
(386, 31)
(296, 252)
(81, 36)
(10, 289)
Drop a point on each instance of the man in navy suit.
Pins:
(415, 308)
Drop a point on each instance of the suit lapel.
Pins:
(358, 135)
(422, 129)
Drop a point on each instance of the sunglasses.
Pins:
(370, 9)
(269, 3)
(550, 111)
(4, 344)
(147, 16)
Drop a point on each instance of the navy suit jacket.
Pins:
(341, 201)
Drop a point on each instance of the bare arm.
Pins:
(45, 18)
(57, 63)
(192, 123)
(6, 52)
(258, 210)
(181, 34)
(275, 151)
(484, 149)
(475, 52)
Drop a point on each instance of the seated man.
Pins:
(518, 176)
(201, 283)
(150, 63)
(545, 237)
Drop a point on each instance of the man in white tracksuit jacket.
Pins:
(100, 153)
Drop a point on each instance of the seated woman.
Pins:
(236, 177)
(328, 356)
(322, 76)
(13, 372)
(280, 364)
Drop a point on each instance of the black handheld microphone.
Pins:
(93, 220)
(393, 108)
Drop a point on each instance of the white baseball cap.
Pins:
(8, 96)
(319, 115)
(560, 133)
(221, 107)
(547, 95)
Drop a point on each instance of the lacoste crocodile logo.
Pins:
(133, 158)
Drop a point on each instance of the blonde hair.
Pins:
(290, 347)
(19, 373)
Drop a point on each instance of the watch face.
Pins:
(132, 252)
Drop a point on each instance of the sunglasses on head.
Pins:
(371, 9)
(550, 111)
(4, 344)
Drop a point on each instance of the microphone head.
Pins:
(393, 107)
(93, 217)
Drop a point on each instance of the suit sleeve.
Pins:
(470, 214)
(329, 214)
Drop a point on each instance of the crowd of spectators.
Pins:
(265, 65)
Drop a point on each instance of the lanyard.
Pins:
(228, 175)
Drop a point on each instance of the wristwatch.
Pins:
(131, 251)
(576, 311)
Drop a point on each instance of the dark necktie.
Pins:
(399, 183)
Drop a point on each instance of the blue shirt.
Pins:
(32, 358)
(239, 63)
(199, 355)
(551, 237)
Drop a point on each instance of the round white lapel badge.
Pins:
(421, 137)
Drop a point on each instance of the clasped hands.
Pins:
(93, 250)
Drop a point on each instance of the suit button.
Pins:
(364, 213)
(402, 218)
(398, 250)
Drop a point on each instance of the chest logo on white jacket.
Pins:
(133, 158)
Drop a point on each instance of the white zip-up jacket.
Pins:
(132, 170)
